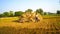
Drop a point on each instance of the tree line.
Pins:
(19, 13)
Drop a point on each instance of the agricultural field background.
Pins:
(9, 25)
(29, 16)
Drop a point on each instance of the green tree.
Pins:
(29, 10)
(11, 13)
(45, 13)
(40, 11)
(1, 15)
(58, 11)
(6, 14)
(18, 13)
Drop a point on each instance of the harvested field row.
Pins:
(48, 26)
(12, 30)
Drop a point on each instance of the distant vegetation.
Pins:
(19, 13)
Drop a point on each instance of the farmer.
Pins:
(37, 18)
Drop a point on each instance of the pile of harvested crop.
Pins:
(30, 17)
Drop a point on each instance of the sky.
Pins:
(22, 5)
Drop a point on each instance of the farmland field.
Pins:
(50, 24)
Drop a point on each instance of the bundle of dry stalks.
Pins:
(30, 17)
